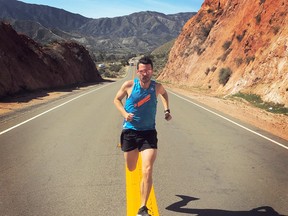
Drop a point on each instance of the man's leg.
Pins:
(131, 158)
(148, 158)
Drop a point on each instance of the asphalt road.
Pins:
(62, 159)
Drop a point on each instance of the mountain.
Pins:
(48, 17)
(135, 33)
(234, 46)
(28, 66)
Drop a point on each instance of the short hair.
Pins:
(145, 60)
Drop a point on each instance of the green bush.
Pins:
(257, 101)
(224, 75)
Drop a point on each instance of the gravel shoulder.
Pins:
(276, 124)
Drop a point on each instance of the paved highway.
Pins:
(62, 159)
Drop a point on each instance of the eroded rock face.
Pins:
(248, 37)
(27, 66)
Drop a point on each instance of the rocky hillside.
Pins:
(27, 66)
(234, 46)
(135, 33)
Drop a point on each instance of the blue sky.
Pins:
(114, 8)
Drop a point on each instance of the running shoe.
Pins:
(143, 211)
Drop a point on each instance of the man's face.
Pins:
(145, 72)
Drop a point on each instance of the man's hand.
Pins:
(168, 117)
(129, 117)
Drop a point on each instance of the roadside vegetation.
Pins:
(256, 101)
(112, 70)
(112, 66)
(224, 75)
(160, 57)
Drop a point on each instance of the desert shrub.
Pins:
(199, 17)
(262, 2)
(226, 45)
(224, 75)
(109, 74)
(224, 56)
(238, 61)
(249, 59)
(209, 10)
(115, 67)
(275, 29)
(258, 19)
(196, 48)
(240, 37)
(205, 30)
(214, 68)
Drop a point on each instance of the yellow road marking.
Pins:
(133, 180)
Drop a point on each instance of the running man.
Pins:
(139, 134)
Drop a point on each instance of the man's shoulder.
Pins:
(159, 88)
(157, 84)
(128, 83)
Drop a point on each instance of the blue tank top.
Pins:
(143, 104)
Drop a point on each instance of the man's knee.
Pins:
(131, 159)
(147, 172)
(131, 166)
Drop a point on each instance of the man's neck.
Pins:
(145, 85)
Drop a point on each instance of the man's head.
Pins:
(146, 61)
(145, 69)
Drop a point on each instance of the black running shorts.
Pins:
(132, 139)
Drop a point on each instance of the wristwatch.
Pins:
(167, 111)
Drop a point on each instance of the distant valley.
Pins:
(136, 33)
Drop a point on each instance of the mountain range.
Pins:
(136, 33)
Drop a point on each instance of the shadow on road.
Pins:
(179, 207)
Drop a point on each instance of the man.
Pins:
(139, 134)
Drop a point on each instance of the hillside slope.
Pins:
(27, 66)
(246, 42)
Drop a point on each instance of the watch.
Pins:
(167, 111)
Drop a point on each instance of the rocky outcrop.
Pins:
(27, 66)
(232, 46)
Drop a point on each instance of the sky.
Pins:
(114, 8)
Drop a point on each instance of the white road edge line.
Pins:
(56, 107)
(227, 119)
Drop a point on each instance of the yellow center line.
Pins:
(133, 180)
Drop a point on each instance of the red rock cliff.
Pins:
(248, 37)
(27, 66)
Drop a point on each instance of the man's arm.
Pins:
(123, 92)
(165, 100)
